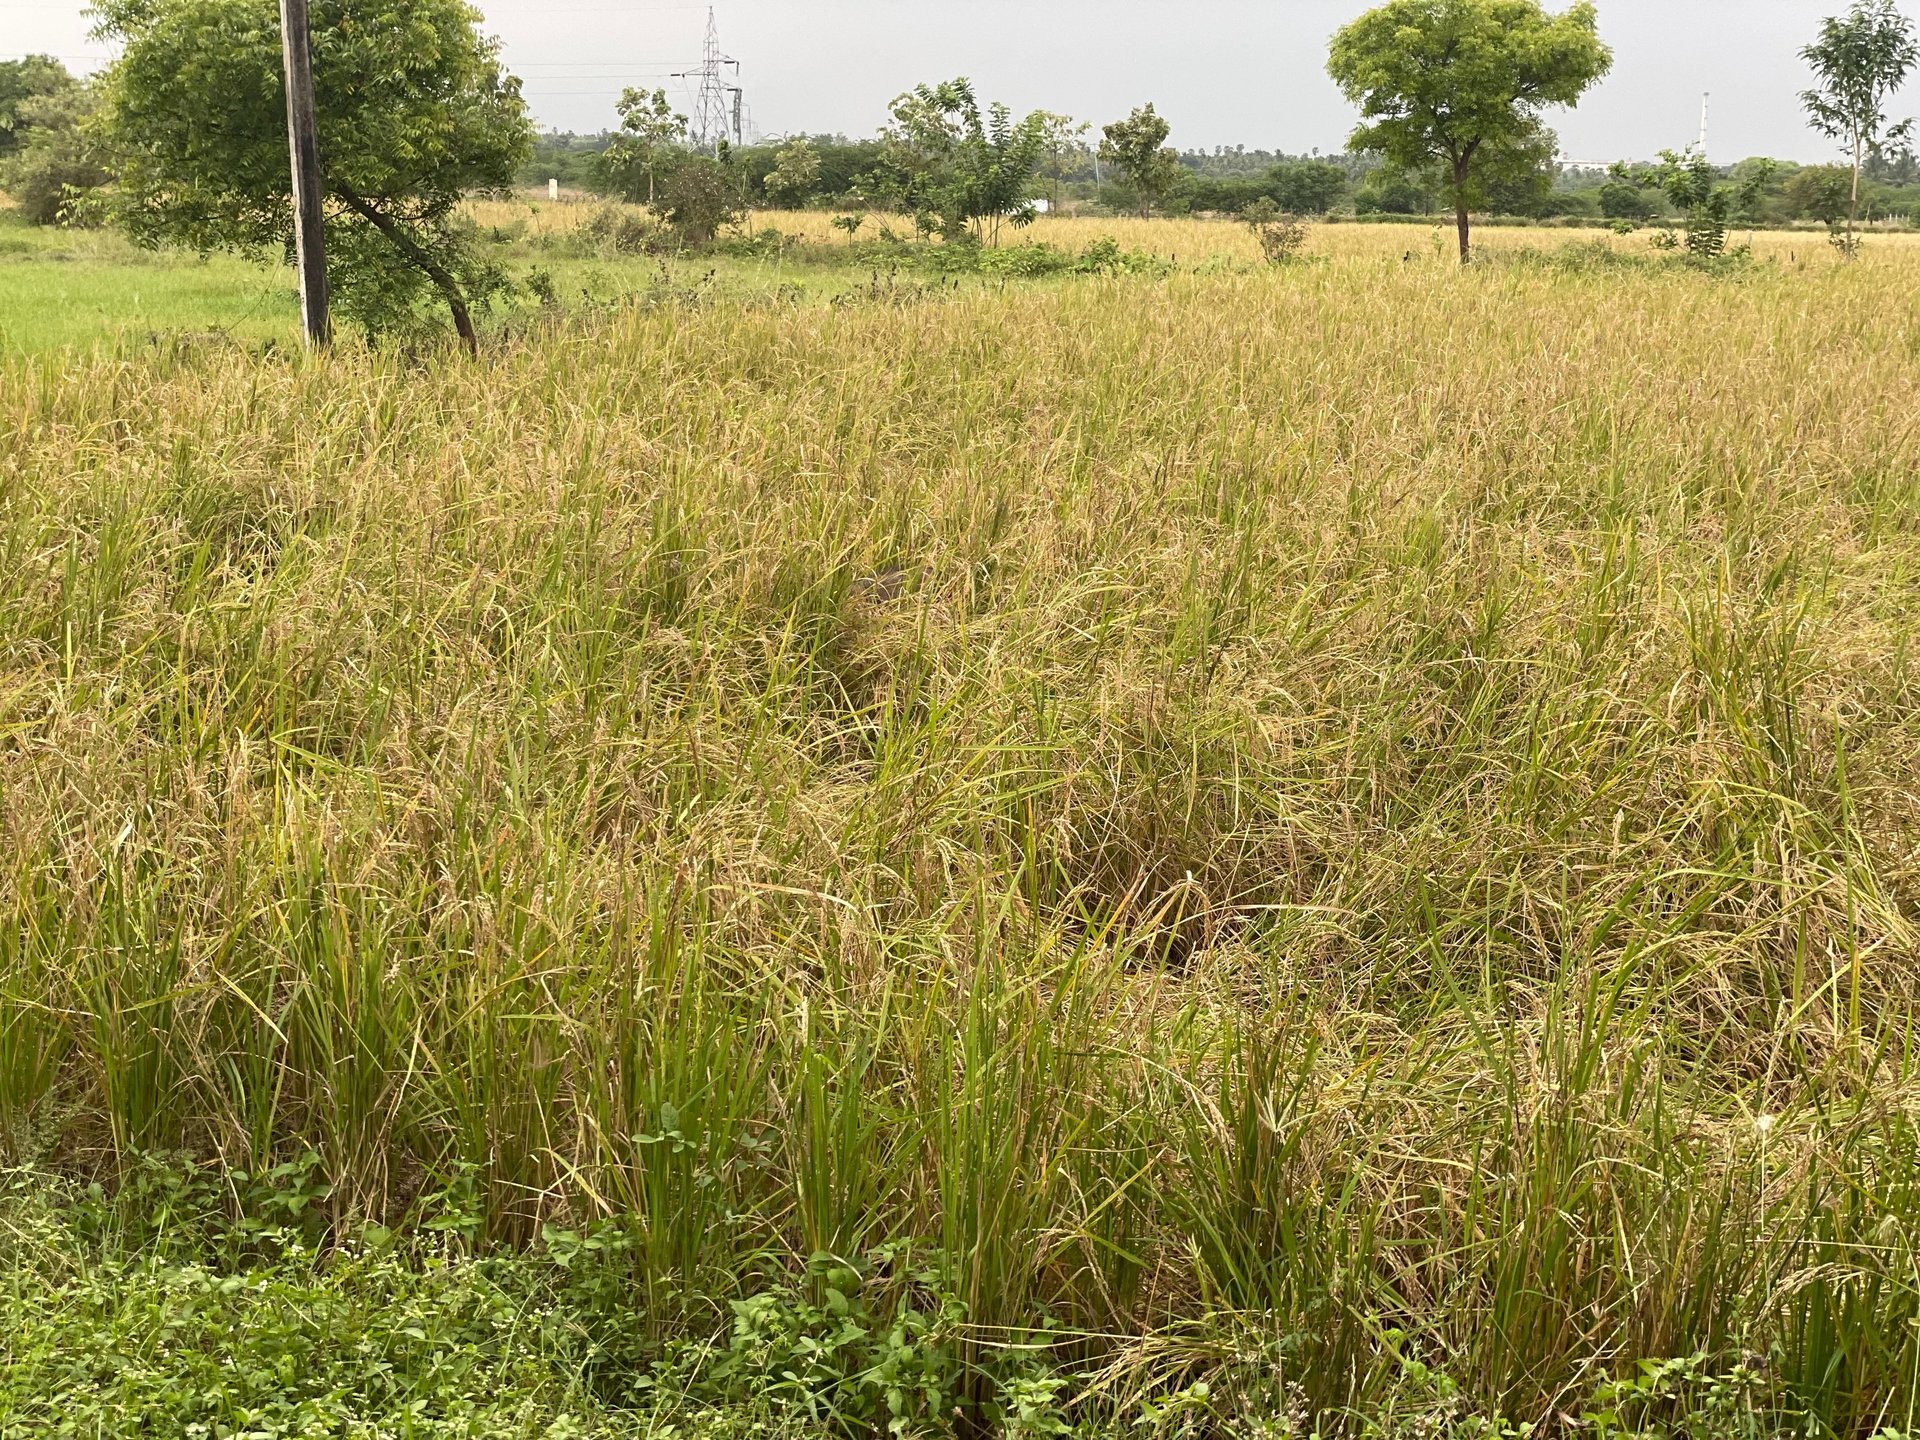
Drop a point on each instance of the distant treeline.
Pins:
(1228, 179)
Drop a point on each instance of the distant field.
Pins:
(1213, 851)
(61, 288)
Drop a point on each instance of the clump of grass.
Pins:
(1289, 828)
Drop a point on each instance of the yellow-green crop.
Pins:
(1360, 815)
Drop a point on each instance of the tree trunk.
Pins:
(442, 279)
(1853, 205)
(1460, 218)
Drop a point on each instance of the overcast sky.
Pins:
(1224, 72)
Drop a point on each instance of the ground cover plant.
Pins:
(1249, 850)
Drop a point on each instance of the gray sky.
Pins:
(1224, 72)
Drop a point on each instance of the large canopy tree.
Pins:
(414, 113)
(1458, 85)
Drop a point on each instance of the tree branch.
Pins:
(419, 257)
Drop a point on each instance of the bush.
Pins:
(1027, 261)
(613, 230)
(696, 198)
(1105, 257)
(1281, 236)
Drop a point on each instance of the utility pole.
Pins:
(1703, 120)
(309, 238)
(711, 106)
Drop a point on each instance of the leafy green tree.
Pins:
(1137, 147)
(840, 163)
(1892, 162)
(1306, 187)
(414, 114)
(571, 159)
(1823, 192)
(22, 83)
(964, 168)
(795, 173)
(1859, 60)
(1390, 192)
(650, 136)
(1459, 85)
(55, 175)
(1063, 150)
(1623, 197)
(1518, 179)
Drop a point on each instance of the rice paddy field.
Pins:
(1222, 851)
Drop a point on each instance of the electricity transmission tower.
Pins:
(717, 105)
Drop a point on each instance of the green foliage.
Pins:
(1388, 192)
(795, 174)
(967, 172)
(414, 114)
(172, 1322)
(1518, 179)
(573, 160)
(1625, 198)
(1820, 192)
(1281, 237)
(651, 137)
(1859, 60)
(54, 172)
(698, 196)
(1687, 1396)
(22, 83)
(1063, 149)
(1459, 85)
(860, 1349)
(1137, 147)
(843, 167)
(1297, 187)
(1306, 187)
(1708, 204)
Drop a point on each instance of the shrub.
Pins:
(697, 197)
(1281, 236)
